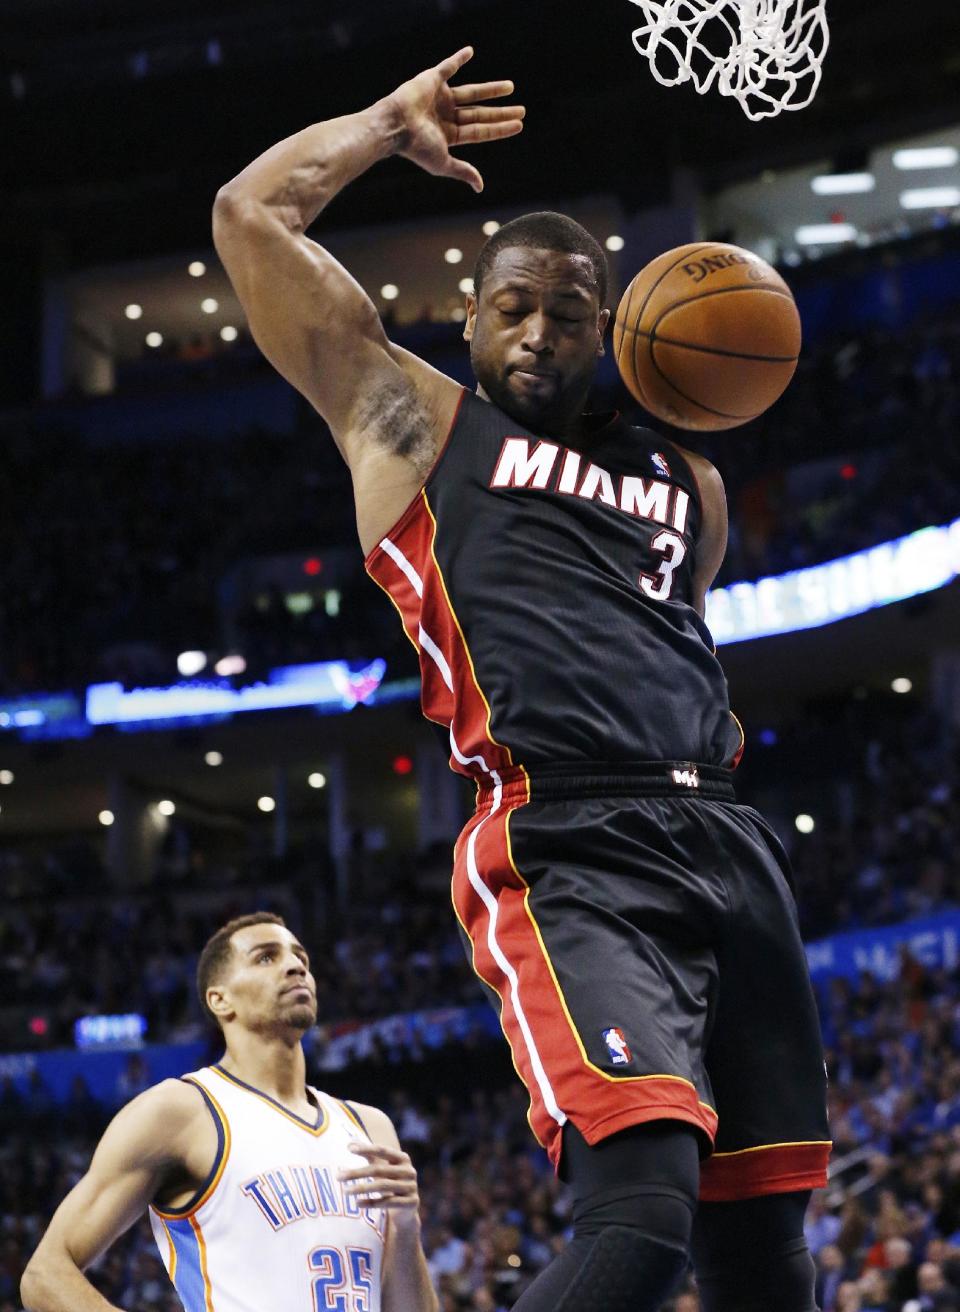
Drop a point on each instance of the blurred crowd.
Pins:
(118, 556)
(885, 1233)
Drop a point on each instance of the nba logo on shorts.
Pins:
(660, 464)
(616, 1045)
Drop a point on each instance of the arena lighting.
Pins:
(209, 306)
(614, 242)
(133, 311)
(228, 333)
(805, 824)
(6, 777)
(465, 285)
(327, 685)
(196, 268)
(902, 685)
(213, 758)
(106, 818)
(191, 662)
(926, 157)
(453, 255)
(230, 665)
(389, 291)
(490, 227)
(842, 184)
(154, 339)
(266, 804)
(166, 807)
(824, 234)
(930, 198)
(850, 585)
(317, 780)
(402, 765)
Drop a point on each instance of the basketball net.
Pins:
(766, 53)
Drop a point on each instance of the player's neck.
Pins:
(273, 1064)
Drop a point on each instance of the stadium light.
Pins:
(209, 306)
(166, 807)
(317, 780)
(842, 184)
(490, 227)
(823, 234)
(191, 662)
(213, 758)
(805, 823)
(106, 818)
(902, 685)
(6, 777)
(228, 665)
(196, 268)
(389, 291)
(930, 198)
(926, 157)
(614, 242)
(228, 333)
(154, 339)
(266, 804)
(465, 284)
(133, 311)
(453, 255)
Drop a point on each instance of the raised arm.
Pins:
(146, 1144)
(307, 314)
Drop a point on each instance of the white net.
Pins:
(766, 53)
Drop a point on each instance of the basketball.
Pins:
(707, 336)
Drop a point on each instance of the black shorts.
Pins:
(640, 932)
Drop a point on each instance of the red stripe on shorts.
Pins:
(777, 1168)
(597, 1103)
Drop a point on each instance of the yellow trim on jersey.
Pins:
(453, 616)
(613, 1079)
(766, 1147)
(316, 1130)
(188, 1213)
(172, 1262)
(207, 1288)
(353, 1116)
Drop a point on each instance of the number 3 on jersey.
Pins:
(330, 1280)
(673, 549)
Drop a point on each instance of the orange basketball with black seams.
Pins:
(707, 336)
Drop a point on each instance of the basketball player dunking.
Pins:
(636, 923)
(264, 1195)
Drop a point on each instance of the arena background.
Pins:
(177, 520)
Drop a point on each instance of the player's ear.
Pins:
(471, 322)
(602, 321)
(219, 1003)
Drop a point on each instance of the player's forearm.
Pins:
(58, 1285)
(407, 1286)
(298, 177)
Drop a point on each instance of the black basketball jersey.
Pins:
(547, 588)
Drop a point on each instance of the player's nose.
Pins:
(536, 333)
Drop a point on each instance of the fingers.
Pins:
(461, 171)
(454, 63)
(474, 91)
(491, 114)
(477, 133)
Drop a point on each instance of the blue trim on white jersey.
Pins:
(188, 1274)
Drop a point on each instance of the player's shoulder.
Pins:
(170, 1106)
(376, 1122)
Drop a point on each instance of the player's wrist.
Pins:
(391, 125)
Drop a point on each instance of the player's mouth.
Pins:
(534, 377)
(296, 988)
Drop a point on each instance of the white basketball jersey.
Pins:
(271, 1229)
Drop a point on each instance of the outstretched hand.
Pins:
(437, 117)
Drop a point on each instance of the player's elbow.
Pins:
(32, 1285)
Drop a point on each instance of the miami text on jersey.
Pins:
(549, 467)
(290, 1193)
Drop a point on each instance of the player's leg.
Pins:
(765, 1061)
(751, 1255)
(634, 1199)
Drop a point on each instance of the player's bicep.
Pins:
(308, 315)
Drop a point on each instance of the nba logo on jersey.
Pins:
(616, 1045)
(660, 464)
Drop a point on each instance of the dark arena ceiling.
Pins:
(120, 121)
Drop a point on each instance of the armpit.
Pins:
(395, 418)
